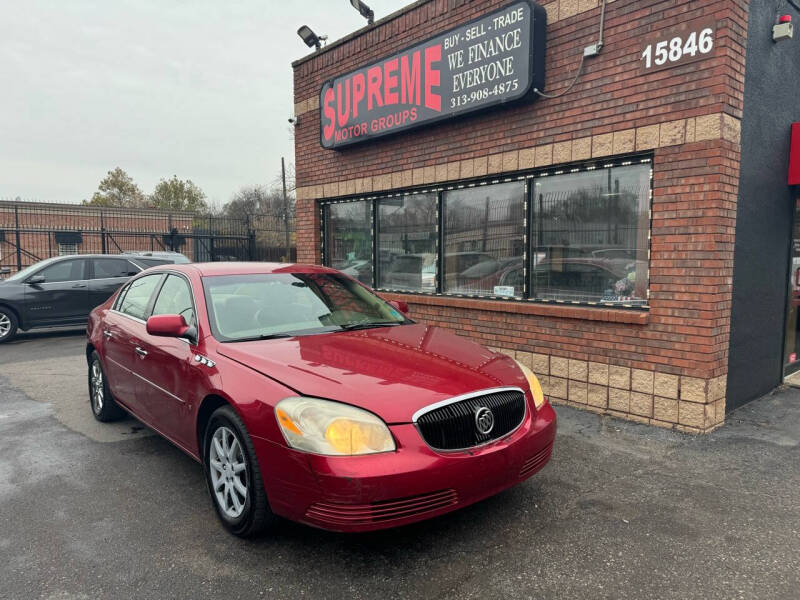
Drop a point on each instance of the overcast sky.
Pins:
(192, 88)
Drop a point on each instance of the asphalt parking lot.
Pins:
(622, 511)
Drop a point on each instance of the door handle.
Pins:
(108, 334)
(78, 286)
(141, 352)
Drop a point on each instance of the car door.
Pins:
(166, 372)
(124, 329)
(61, 298)
(107, 275)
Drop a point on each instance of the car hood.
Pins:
(391, 371)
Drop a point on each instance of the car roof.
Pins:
(246, 268)
(150, 253)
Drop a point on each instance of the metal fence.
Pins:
(30, 232)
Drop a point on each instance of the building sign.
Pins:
(688, 42)
(492, 60)
(794, 156)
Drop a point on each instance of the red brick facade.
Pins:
(665, 366)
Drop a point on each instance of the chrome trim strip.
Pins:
(171, 395)
(127, 316)
(123, 367)
(415, 417)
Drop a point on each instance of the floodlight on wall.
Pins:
(365, 10)
(311, 39)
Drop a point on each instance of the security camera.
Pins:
(294, 121)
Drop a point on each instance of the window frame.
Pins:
(93, 272)
(117, 307)
(529, 176)
(160, 288)
(74, 258)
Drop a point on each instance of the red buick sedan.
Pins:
(305, 395)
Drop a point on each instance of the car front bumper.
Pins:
(413, 483)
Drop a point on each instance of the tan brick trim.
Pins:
(687, 404)
(557, 10)
(307, 105)
(660, 135)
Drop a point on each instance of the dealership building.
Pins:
(604, 190)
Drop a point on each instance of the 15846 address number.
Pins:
(678, 48)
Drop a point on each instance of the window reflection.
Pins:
(407, 243)
(590, 236)
(484, 230)
(348, 238)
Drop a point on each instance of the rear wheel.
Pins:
(233, 475)
(104, 407)
(8, 324)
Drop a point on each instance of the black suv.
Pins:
(62, 290)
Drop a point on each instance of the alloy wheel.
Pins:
(228, 468)
(5, 325)
(97, 387)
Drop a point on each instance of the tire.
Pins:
(244, 514)
(104, 407)
(8, 324)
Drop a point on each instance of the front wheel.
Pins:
(8, 324)
(104, 407)
(233, 475)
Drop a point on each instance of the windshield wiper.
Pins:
(265, 336)
(273, 336)
(356, 326)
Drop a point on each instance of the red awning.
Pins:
(794, 156)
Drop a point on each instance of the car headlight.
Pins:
(332, 428)
(533, 382)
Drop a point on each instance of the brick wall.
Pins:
(666, 366)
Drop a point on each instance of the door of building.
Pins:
(791, 353)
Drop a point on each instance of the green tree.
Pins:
(118, 189)
(176, 194)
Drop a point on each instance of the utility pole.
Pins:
(286, 212)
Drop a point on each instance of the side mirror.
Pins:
(170, 326)
(35, 280)
(400, 305)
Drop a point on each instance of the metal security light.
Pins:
(311, 39)
(365, 10)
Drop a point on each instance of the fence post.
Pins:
(211, 239)
(16, 227)
(102, 234)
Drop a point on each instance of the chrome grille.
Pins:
(452, 426)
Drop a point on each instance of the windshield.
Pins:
(27, 271)
(251, 307)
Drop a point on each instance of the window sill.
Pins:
(563, 311)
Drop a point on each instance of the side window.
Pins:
(175, 298)
(121, 297)
(66, 270)
(152, 262)
(138, 294)
(109, 268)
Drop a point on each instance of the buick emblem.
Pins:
(484, 420)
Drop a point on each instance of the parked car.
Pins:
(305, 395)
(61, 290)
(155, 258)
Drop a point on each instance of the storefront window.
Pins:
(484, 232)
(581, 236)
(406, 232)
(348, 238)
(590, 236)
